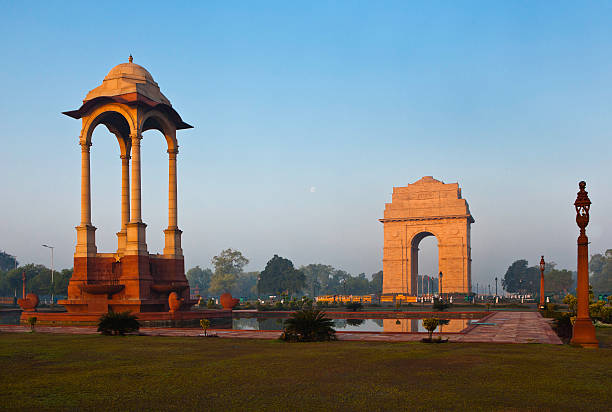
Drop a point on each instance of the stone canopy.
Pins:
(129, 83)
(128, 78)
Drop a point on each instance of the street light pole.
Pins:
(52, 283)
(495, 286)
(440, 284)
(542, 267)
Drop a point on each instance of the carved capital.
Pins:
(135, 137)
(85, 145)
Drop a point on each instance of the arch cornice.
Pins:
(168, 128)
(415, 235)
(423, 218)
(93, 118)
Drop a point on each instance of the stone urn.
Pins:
(227, 301)
(174, 302)
(29, 303)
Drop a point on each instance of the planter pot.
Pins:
(227, 301)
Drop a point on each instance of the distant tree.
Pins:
(228, 266)
(7, 262)
(357, 285)
(246, 285)
(229, 261)
(317, 278)
(222, 283)
(520, 278)
(376, 282)
(600, 267)
(280, 276)
(38, 280)
(199, 278)
(558, 282)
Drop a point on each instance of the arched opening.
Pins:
(154, 186)
(424, 262)
(108, 143)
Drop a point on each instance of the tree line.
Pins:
(38, 278)
(524, 279)
(278, 277)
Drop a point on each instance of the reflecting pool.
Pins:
(412, 325)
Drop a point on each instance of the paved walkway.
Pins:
(500, 327)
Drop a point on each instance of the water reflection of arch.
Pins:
(415, 325)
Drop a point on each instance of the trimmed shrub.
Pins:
(118, 323)
(205, 324)
(308, 325)
(430, 324)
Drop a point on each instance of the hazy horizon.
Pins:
(307, 115)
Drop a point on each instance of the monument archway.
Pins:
(425, 208)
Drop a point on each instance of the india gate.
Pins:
(427, 207)
(128, 103)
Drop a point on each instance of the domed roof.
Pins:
(126, 78)
(129, 70)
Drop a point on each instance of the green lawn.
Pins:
(47, 371)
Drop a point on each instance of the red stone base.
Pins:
(583, 334)
(67, 318)
(136, 283)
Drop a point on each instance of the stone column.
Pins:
(125, 190)
(136, 204)
(86, 242)
(172, 210)
(136, 234)
(85, 184)
(172, 245)
(125, 201)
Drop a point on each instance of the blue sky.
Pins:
(510, 99)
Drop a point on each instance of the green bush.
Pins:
(440, 305)
(354, 306)
(572, 304)
(32, 322)
(211, 304)
(205, 324)
(308, 326)
(118, 323)
(430, 324)
(601, 312)
(563, 325)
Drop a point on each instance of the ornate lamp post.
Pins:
(440, 275)
(542, 267)
(584, 331)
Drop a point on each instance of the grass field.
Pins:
(48, 371)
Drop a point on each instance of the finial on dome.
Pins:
(130, 59)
